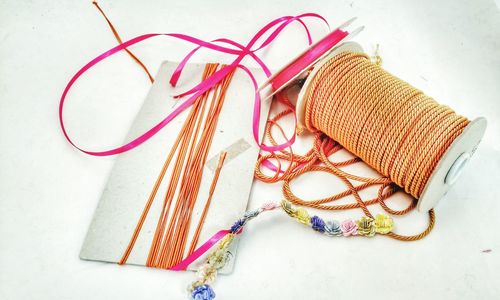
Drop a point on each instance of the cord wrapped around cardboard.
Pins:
(134, 172)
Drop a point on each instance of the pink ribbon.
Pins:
(212, 241)
(299, 65)
(241, 52)
(201, 250)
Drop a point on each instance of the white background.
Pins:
(48, 190)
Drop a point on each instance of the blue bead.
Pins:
(332, 228)
(203, 292)
(237, 225)
(318, 224)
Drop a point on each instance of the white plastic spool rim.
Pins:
(452, 163)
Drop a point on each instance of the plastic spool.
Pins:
(303, 73)
(451, 164)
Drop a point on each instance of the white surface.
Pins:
(49, 191)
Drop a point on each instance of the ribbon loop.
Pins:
(271, 30)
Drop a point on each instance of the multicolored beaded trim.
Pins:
(216, 260)
(365, 226)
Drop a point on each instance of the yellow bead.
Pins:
(365, 226)
(302, 216)
(383, 224)
(287, 207)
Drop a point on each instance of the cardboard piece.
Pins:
(135, 172)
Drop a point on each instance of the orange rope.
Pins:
(190, 193)
(191, 150)
(384, 121)
(390, 125)
(161, 240)
(118, 38)
(215, 179)
(186, 139)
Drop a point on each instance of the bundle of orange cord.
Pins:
(191, 146)
(385, 122)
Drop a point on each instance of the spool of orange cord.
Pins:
(405, 135)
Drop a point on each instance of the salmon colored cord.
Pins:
(385, 122)
(215, 179)
(358, 104)
(196, 174)
(160, 239)
(188, 138)
(174, 232)
(118, 38)
(190, 150)
(184, 137)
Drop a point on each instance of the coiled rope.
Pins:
(353, 103)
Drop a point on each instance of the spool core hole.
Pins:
(457, 168)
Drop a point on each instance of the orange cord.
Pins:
(190, 193)
(118, 38)
(384, 121)
(181, 140)
(389, 124)
(191, 149)
(161, 240)
(201, 222)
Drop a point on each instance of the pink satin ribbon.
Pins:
(201, 250)
(299, 65)
(214, 240)
(241, 52)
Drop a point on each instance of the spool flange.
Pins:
(451, 164)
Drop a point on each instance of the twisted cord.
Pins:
(384, 121)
